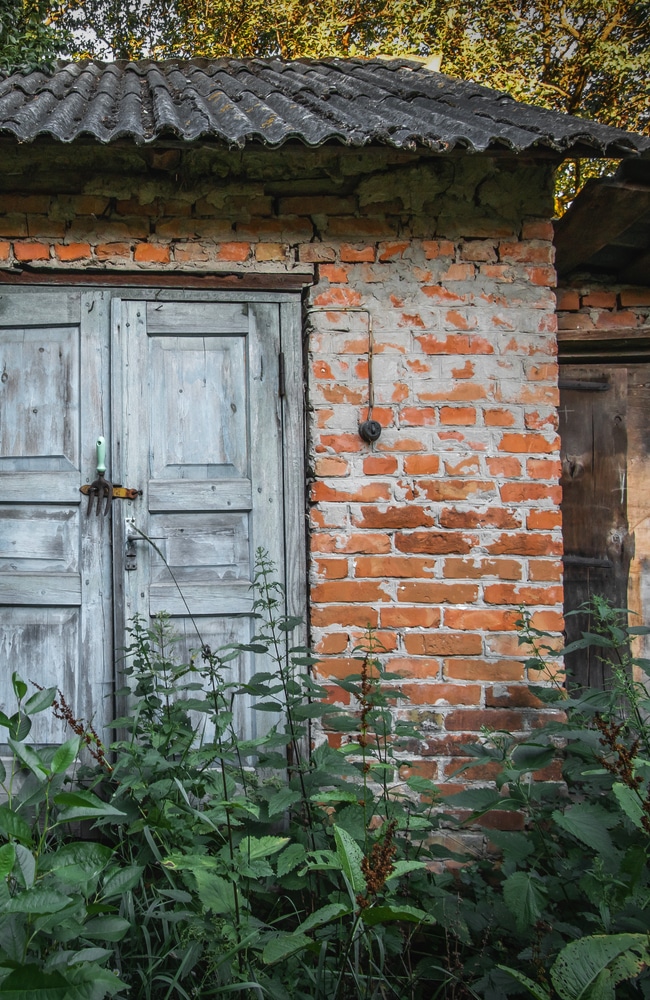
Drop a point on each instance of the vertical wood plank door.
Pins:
(186, 392)
(593, 430)
(55, 589)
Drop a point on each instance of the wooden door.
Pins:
(186, 391)
(597, 547)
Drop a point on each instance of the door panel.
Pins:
(201, 436)
(54, 582)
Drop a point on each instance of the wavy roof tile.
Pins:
(394, 102)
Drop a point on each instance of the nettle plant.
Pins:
(193, 863)
(59, 890)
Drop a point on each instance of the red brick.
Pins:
(321, 491)
(473, 721)
(525, 492)
(541, 276)
(435, 694)
(329, 466)
(458, 272)
(344, 615)
(493, 517)
(415, 667)
(514, 696)
(479, 250)
(455, 489)
(353, 591)
(72, 251)
(417, 416)
(483, 670)
(316, 252)
(4, 250)
(508, 467)
(443, 643)
(527, 253)
(357, 254)
(437, 593)
(544, 468)
(545, 569)
(151, 253)
(600, 300)
(476, 569)
(455, 343)
(393, 517)
(390, 250)
(501, 593)
(468, 466)
(480, 619)
(537, 229)
(499, 418)
(340, 443)
(437, 248)
(379, 465)
(567, 298)
(613, 321)
(338, 296)
(458, 416)
(408, 617)
(525, 544)
(266, 252)
(392, 566)
(434, 542)
(334, 273)
(105, 250)
(364, 542)
(635, 297)
(527, 444)
(31, 251)
(421, 465)
(334, 642)
(331, 569)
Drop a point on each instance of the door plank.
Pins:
(200, 494)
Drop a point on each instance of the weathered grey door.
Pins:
(186, 390)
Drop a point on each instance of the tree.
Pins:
(28, 36)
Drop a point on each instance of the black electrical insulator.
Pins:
(370, 430)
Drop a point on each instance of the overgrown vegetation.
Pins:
(192, 863)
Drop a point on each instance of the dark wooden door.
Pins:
(597, 549)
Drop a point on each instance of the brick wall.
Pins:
(438, 532)
(605, 308)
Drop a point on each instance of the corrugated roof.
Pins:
(394, 102)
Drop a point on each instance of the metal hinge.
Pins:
(281, 382)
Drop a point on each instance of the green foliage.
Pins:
(54, 913)
(29, 36)
(211, 865)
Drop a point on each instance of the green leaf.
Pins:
(629, 803)
(282, 946)
(588, 823)
(40, 701)
(535, 990)
(65, 755)
(13, 825)
(374, 915)
(121, 881)
(215, 893)
(30, 758)
(37, 901)
(7, 859)
(350, 855)
(293, 856)
(83, 805)
(282, 800)
(29, 982)
(524, 894)
(332, 911)
(108, 928)
(19, 686)
(334, 795)
(590, 968)
(253, 848)
(403, 867)
(27, 864)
